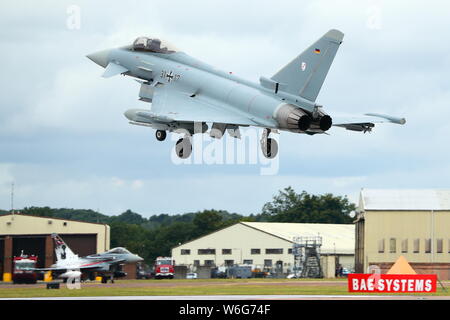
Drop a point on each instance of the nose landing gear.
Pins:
(160, 135)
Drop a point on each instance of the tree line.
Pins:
(158, 234)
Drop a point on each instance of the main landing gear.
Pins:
(269, 146)
(183, 147)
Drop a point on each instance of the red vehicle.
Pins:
(164, 267)
(20, 275)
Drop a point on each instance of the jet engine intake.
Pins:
(292, 118)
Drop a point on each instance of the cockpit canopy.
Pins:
(152, 45)
(118, 250)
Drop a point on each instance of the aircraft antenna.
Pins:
(12, 198)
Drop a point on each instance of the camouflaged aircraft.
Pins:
(184, 91)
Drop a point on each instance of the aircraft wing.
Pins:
(366, 122)
(173, 105)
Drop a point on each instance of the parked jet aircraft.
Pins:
(106, 264)
(183, 91)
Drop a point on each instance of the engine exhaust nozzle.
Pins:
(293, 118)
(325, 122)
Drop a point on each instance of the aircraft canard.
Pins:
(184, 91)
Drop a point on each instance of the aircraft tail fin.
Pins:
(305, 74)
(62, 250)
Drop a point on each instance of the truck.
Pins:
(20, 265)
(164, 267)
(239, 272)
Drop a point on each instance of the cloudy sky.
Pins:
(64, 141)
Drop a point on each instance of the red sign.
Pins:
(401, 283)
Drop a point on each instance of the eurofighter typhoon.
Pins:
(106, 264)
(187, 94)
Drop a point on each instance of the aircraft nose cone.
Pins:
(130, 114)
(136, 258)
(100, 57)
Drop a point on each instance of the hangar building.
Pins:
(33, 235)
(266, 245)
(411, 223)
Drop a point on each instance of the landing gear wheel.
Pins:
(270, 149)
(183, 148)
(161, 135)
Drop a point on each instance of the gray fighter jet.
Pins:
(106, 264)
(187, 94)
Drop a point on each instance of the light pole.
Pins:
(12, 198)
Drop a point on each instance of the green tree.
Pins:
(289, 206)
(167, 237)
(207, 221)
(38, 211)
(133, 237)
(129, 217)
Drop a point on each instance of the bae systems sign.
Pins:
(394, 283)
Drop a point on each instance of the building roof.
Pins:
(47, 217)
(406, 199)
(14, 224)
(336, 238)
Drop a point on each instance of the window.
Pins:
(381, 246)
(209, 263)
(185, 251)
(255, 251)
(229, 263)
(405, 246)
(152, 45)
(274, 251)
(427, 245)
(226, 251)
(416, 245)
(248, 261)
(161, 262)
(196, 262)
(393, 245)
(290, 251)
(439, 246)
(206, 251)
(267, 263)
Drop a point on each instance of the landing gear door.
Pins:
(147, 91)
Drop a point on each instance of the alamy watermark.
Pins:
(232, 147)
(73, 21)
(374, 17)
(73, 279)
